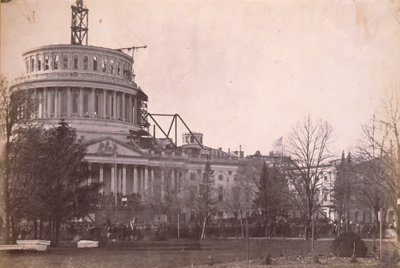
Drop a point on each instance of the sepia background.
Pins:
(241, 72)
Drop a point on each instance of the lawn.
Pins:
(229, 252)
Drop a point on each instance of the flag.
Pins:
(279, 142)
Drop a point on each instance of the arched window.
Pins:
(104, 65)
(75, 103)
(220, 177)
(75, 62)
(55, 62)
(85, 104)
(94, 63)
(356, 217)
(64, 103)
(85, 63)
(46, 63)
(220, 193)
(112, 66)
(65, 62)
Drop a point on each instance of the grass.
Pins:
(166, 254)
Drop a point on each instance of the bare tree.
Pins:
(238, 202)
(308, 150)
(165, 194)
(381, 143)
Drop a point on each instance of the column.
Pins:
(90, 173)
(114, 105)
(123, 179)
(48, 103)
(91, 102)
(146, 178)
(101, 178)
(152, 178)
(135, 179)
(44, 114)
(129, 108)
(56, 114)
(80, 102)
(172, 178)
(162, 183)
(113, 179)
(104, 111)
(134, 110)
(35, 100)
(69, 102)
(123, 107)
(142, 180)
(119, 179)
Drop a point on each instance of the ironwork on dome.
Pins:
(79, 23)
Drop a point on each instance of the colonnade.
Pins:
(87, 102)
(121, 178)
(132, 178)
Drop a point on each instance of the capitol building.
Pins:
(93, 89)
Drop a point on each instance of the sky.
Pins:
(241, 72)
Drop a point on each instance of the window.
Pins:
(85, 63)
(220, 177)
(247, 196)
(325, 178)
(39, 65)
(104, 65)
(192, 193)
(236, 193)
(32, 65)
(65, 60)
(192, 176)
(112, 66)
(46, 63)
(75, 62)
(220, 193)
(56, 62)
(119, 68)
(94, 63)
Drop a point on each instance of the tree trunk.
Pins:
(6, 233)
(306, 230)
(35, 226)
(57, 236)
(40, 228)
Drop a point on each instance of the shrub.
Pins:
(343, 245)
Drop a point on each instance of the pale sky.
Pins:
(241, 72)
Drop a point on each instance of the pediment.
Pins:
(108, 146)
